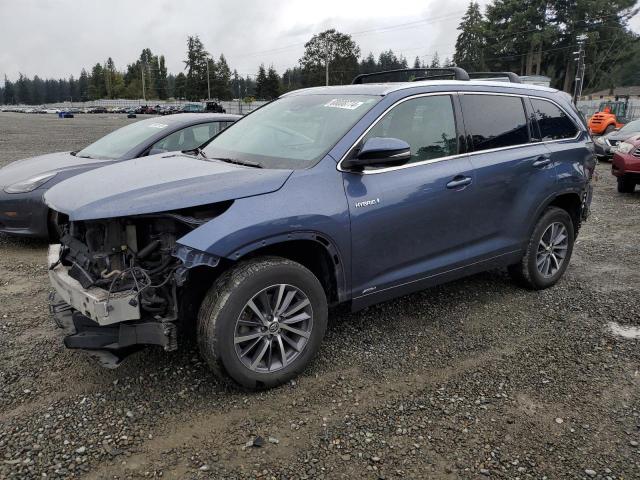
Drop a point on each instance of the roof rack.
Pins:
(512, 77)
(417, 74)
(409, 74)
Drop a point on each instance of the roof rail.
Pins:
(512, 77)
(445, 72)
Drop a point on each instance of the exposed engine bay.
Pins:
(122, 255)
(117, 282)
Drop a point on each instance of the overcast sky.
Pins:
(57, 38)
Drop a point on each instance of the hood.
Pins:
(53, 162)
(158, 183)
(621, 136)
(633, 139)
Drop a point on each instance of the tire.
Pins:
(625, 185)
(609, 129)
(226, 320)
(526, 272)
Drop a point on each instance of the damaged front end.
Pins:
(117, 282)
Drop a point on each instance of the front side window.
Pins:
(292, 132)
(554, 123)
(494, 121)
(188, 138)
(427, 124)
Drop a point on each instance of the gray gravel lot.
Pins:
(473, 379)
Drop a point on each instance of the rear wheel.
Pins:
(262, 322)
(625, 185)
(548, 251)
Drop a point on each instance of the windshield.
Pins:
(119, 142)
(292, 132)
(631, 127)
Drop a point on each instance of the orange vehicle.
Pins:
(610, 116)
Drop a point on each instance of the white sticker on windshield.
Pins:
(158, 125)
(341, 103)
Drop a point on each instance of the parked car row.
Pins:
(337, 195)
(165, 109)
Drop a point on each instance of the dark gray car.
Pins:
(24, 182)
(607, 144)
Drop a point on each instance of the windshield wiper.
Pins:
(84, 156)
(196, 151)
(246, 163)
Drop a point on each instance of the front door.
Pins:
(411, 222)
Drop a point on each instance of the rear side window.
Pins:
(554, 123)
(494, 121)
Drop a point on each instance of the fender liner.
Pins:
(342, 286)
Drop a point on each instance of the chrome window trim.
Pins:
(459, 155)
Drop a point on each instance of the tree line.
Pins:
(529, 37)
(538, 37)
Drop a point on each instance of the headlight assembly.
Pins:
(30, 184)
(625, 147)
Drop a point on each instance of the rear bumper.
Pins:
(24, 214)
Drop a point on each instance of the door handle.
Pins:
(542, 161)
(459, 181)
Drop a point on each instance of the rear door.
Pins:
(560, 135)
(513, 172)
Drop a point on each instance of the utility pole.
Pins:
(208, 82)
(579, 80)
(144, 96)
(326, 63)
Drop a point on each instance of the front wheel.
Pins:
(548, 251)
(262, 322)
(625, 185)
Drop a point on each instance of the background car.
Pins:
(626, 164)
(23, 183)
(606, 144)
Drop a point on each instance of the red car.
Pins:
(626, 164)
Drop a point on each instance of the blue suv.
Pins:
(348, 194)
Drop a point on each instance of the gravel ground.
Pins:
(472, 379)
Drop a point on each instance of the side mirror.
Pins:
(380, 152)
(156, 151)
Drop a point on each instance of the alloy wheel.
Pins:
(552, 249)
(273, 328)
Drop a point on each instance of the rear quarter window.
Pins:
(494, 121)
(554, 123)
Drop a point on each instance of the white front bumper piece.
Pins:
(95, 303)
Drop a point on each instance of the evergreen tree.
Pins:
(83, 86)
(8, 94)
(222, 80)
(97, 88)
(416, 63)
(180, 88)
(196, 66)
(435, 61)
(23, 90)
(161, 84)
(471, 40)
(368, 65)
(272, 84)
(261, 83)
